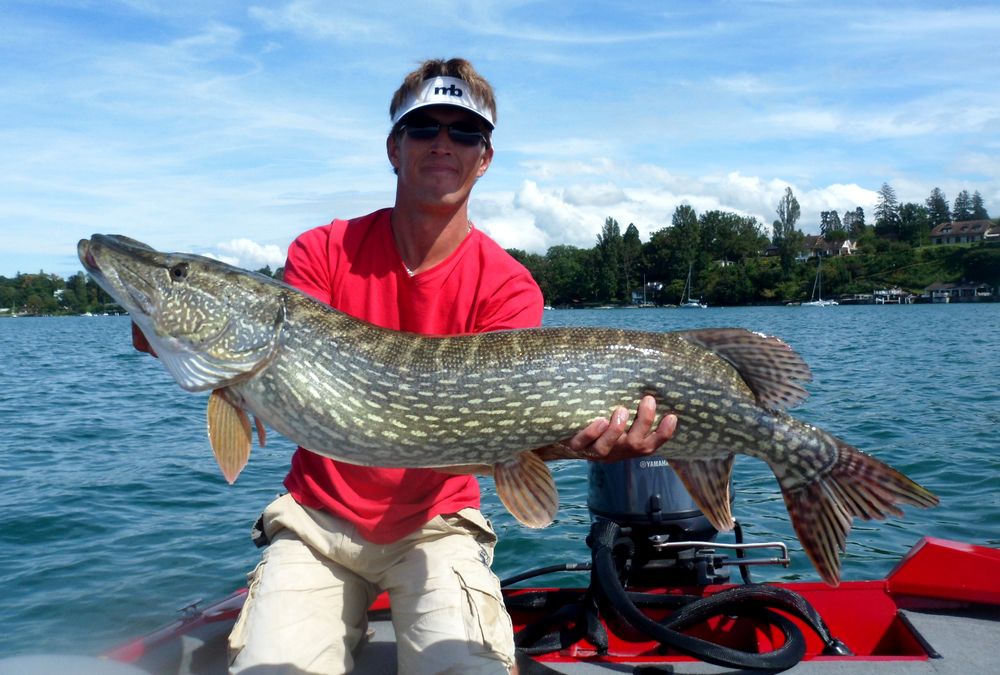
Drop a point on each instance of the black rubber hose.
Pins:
(603, 537)
(563, 567)
(740, 553)
(553, 632)
(738, 599)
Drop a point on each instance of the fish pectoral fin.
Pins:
(855, 486)
(261, 431)
(526, 487)
(707, 480)
(229, 433)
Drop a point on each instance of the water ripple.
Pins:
(114, 512)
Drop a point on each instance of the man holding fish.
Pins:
(416, 380)
(344, 533)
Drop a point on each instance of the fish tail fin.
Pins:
(526, 487)
(855, 486)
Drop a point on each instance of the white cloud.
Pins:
(193, 123)
(513, 228)
(805, 122)
(558, 220)
(318, 20)
(249, 254)
(605, 194)
(905, 24)
(539, 215)
(746, 84)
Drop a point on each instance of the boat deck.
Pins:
(962, 641)
(937, 612)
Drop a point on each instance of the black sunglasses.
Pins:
(463, 133)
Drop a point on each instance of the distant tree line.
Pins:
(49, 294)
(734, 262)
(732, 259)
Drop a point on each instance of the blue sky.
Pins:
(227, 128)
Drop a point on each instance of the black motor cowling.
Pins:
(644, 496)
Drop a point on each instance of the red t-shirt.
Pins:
(354, 266)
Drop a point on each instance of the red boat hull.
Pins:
(866, 615)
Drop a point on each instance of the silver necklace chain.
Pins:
(407, 267)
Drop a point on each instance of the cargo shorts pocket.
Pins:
(487, 624)
(474, 522)
(237, 637)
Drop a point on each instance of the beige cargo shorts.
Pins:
(307, 602)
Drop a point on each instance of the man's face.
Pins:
(438, 170)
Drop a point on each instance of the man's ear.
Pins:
(485, 162)
(392, 150)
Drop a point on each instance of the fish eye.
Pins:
(179, 272)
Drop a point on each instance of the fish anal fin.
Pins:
(526, 487)
(855, 486)
(229, 433)
(772, 369)
(707, 481)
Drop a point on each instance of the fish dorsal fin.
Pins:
(772, 369)
(526, 487)
(707, 481)
(229, 433)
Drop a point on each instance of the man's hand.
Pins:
(605, 440)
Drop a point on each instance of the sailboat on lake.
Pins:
(817, 294)
(687, 302)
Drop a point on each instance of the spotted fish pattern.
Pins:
(500, 402)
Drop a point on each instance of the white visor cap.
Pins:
(444, 91)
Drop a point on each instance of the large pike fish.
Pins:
(357, 393)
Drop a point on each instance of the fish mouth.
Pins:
(90, 253)
(86, 256)
(116, 242)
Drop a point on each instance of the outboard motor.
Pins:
(645, 497)
(647, 533)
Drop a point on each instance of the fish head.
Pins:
(211, 324)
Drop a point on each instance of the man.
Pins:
(344, 533)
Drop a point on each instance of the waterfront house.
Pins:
(816, 246)
(647, 294)
(965, 291)
(893, 296)
(965, 232)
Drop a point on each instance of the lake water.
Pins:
(113, 512)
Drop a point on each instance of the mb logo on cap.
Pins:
(451, 90)
(444, 90)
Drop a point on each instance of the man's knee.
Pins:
(299, 616)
